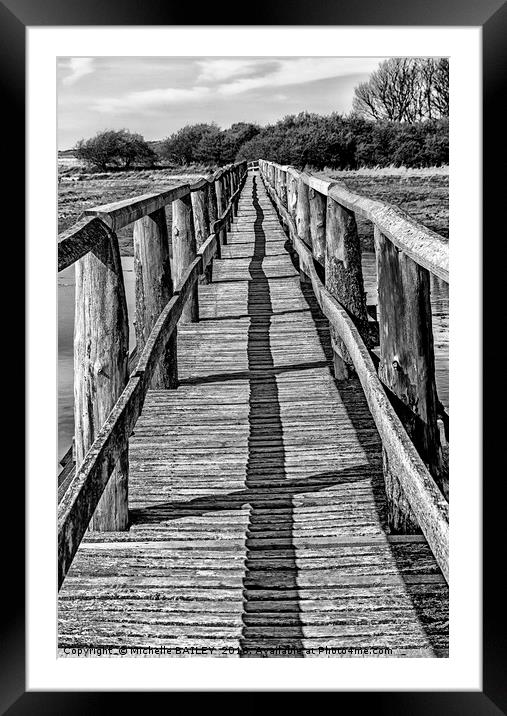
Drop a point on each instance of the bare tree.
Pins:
(405, 89)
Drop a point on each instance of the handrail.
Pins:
(88, 231)
(86, 487)
(90, 480)
(426, 501)
(424, 246)
(119, 214)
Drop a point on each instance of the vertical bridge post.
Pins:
(220, 195)
(407, 365)
(235, 185)
(225, 196)
(292, 194)
(101, 344)
(154, 288)
(303, 219)
(283, 187)
(318, 225)
(228, 195)
(199, 197)
(200, 204)
(344, 277)
(184, 252)
(213, 210)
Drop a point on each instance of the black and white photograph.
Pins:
(253, 356)
(277, 258)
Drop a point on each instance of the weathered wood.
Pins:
(428, 504)
(229, 192)
(234, 188)
(201, 217)
(292, 184)
(95, 473)
(154, 288)
(74, 243)
(121, 213)
(407, 362)
(165, 327)
(258, 510)
(341, 369)
(184, 252)
(343, 271)
(424, 246)
(207, 251)
(303, 212)
(80, 497)
(213, 212)
(68, 461)
(221, 205)
(100, 366)
(318, 208)
(283, 187)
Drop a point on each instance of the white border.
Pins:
(463, 668)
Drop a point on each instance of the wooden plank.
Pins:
(121, 213)
(81, 238)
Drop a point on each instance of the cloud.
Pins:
(79, 67)
(300, 70)
(148, 99)
(237, 76)
(224, 69)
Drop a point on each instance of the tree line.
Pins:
(399, 117)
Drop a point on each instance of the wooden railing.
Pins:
(107, 400)
(321, 220)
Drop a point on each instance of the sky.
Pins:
(156, 96)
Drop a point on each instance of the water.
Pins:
(439, 303)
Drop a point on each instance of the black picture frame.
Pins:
(15, 16)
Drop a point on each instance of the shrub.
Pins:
(115, 148)
(190, 143)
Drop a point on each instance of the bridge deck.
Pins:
(256, 497)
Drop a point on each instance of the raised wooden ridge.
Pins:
(424, 246)
(75, 242)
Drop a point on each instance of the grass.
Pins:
(79, 189)
(391, 171)
(422, 193)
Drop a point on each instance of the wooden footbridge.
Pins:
(264, 476)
